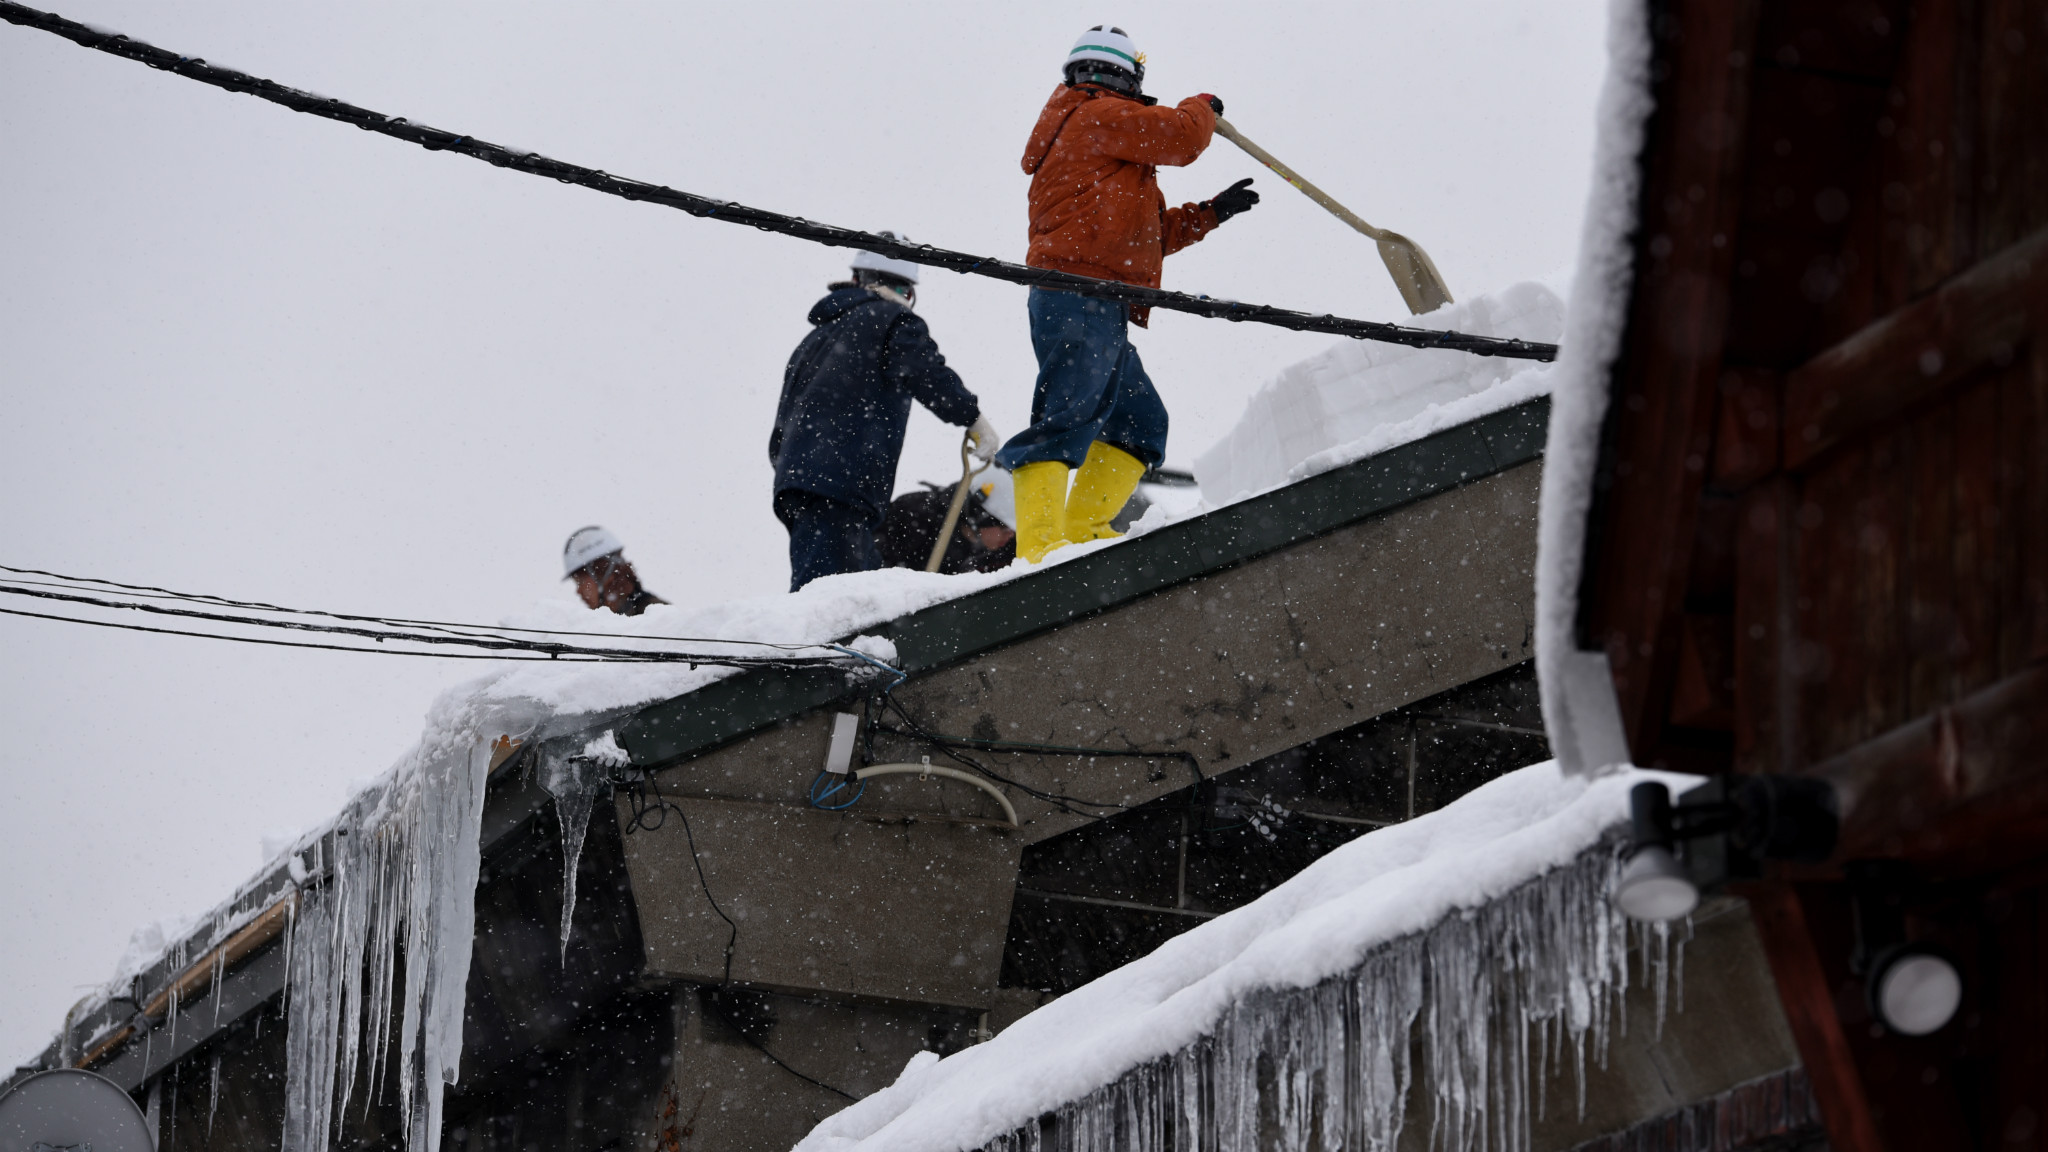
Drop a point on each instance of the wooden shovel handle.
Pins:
(967, 471)
(1314, 193)
(1415, 276)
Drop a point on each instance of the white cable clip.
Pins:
(927, 773)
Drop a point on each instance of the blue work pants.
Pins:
(826, 536)
(1091, 385)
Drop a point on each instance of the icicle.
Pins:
(576, 780)
(1490, 1002)
(213, 1095)
(400, 872)
(171, 1010)
(220, 968)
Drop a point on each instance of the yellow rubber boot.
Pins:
(1041, 495)
(1101, 489)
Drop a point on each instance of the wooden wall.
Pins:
(1819, 542)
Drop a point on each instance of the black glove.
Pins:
(1237, 198)
(1215, 104)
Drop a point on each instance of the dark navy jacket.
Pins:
(846, 398)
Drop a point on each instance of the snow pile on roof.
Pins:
(1389, 905)
(1360, 398)
(1579, 710)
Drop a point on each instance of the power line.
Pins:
(303, 643)
(153, 592)
(496, 643)
(533, 163)
(482, 642)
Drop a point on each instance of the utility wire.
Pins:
(533, 163)
(950, 749)
(153, 592)
(305, 643)
(85, 593)
(494, 643)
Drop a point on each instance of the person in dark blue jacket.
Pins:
(845, 402)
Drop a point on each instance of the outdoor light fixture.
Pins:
(1653, 885)
(1914, 990)
(1719, 831)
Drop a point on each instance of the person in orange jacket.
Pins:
(1096, 210)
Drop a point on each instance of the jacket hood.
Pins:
(1065, 99)
(1050, 121)
(839, 302)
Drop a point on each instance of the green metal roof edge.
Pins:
(946, 633)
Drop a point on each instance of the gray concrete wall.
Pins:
(1231, 667)
(725, 1093)
(850, 903)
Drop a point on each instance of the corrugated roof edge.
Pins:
(674, 730)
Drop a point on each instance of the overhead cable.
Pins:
(471, 642)
(62, 581)
(294, 643)
(533, 163)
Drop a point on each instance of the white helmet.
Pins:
(998, 496)
(1104, 45)
(865, 261)
(587, 545)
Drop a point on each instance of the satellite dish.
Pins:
(71, 1110)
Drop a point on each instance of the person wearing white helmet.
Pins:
(596, 561)
(1096, 211)
(981, 539)
(846, 398)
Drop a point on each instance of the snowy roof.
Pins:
(665, 712)
(942, 619)
(1500, 897)
(1356, 398)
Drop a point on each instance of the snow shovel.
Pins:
(967, 474)
(1422, 286)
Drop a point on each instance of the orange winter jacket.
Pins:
(1096, 208)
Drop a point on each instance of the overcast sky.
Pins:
(253, 353)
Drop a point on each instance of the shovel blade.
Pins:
(1422, 287)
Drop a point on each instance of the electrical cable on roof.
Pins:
(883, 700)
(437, 140)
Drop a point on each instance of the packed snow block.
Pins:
(853, 904)
(1356, 388)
